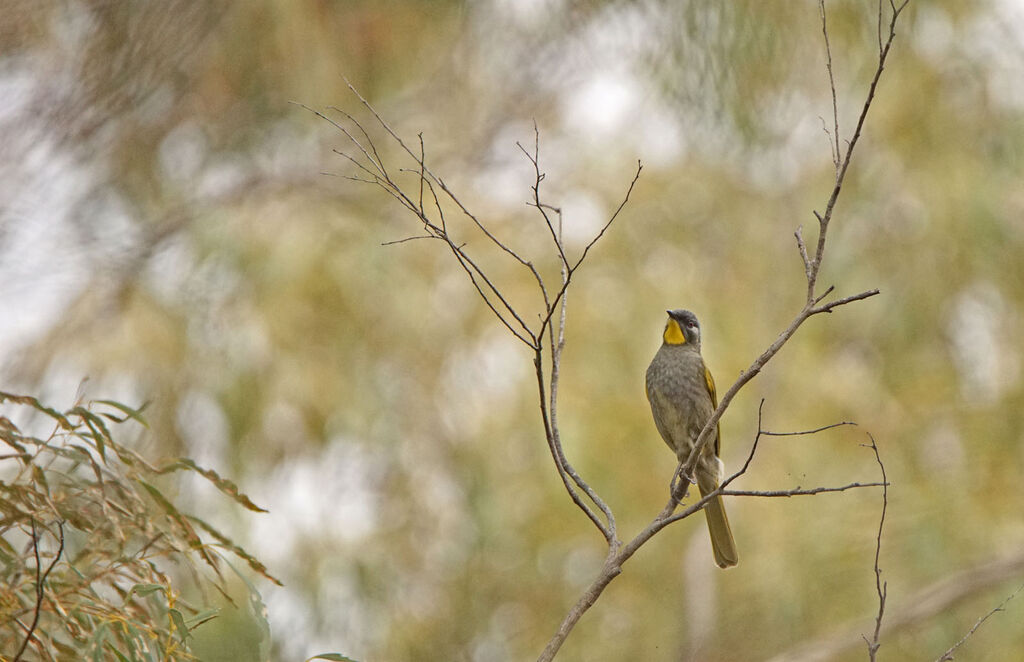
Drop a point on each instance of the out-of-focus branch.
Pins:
(918, 608)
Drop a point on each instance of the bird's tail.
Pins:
(722, 543)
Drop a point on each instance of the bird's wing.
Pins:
(710, 381)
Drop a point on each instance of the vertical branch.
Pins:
(823, 219)
(834, 143)
(565, 470)
(41, 576)
(556, 337)
(881, 588)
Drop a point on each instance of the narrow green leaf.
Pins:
(144, 590)
(120, 657)
(179, 625)
(99, 429)
(101, 445)
(223, 484)
(238, 551)
(333, 657)
(202, 617)
(34, 403)
(131, 413)
(190, 533)
(40, 477)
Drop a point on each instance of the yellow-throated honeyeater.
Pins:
(682, 396)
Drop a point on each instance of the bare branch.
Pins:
(851, 145)
(948, 655)
(444, 187)
(881, 588)
(813, 264)
(802, 247)
(827, 308)
(556, 338)
(799, 491)
(561, 463)
(620, 554)
(402, 241)
(41, 577)
(824, 294)
(768, 433)
(834, 142)
(538, 178)
(572, 270)
(586, 249)
(919, 607)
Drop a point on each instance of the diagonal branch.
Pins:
(812, 264)
(948, 655)
(918, 608)
(823, 220)
(572, 270)
(619, 555)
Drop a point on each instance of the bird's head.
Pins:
(682, 328)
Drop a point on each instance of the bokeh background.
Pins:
(167, 235)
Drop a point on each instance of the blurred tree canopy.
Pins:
(167, 232)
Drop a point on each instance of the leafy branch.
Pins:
(116, 593)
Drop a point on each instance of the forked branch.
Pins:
(546, 337)
(812, 263)
(41, 577)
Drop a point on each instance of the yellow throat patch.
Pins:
(673, 334)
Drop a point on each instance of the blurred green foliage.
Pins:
(373, 405)
(94, 553)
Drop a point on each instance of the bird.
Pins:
(682, 395)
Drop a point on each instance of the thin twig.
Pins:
(444, 187)
(802, 247)
(597, 237)
(799, 491)
(402, 241)
(768, 433)
(41, 577)
(850, 146)
(834, 142)
(538, 178)
(572, 270)
(618, 556)
(814, 269)
(376, 160)
(827, 308)
(948, 655)
(920, 607)
(881, 588)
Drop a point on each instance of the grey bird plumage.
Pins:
(682, 396)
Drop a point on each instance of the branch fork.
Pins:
(546, 335)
